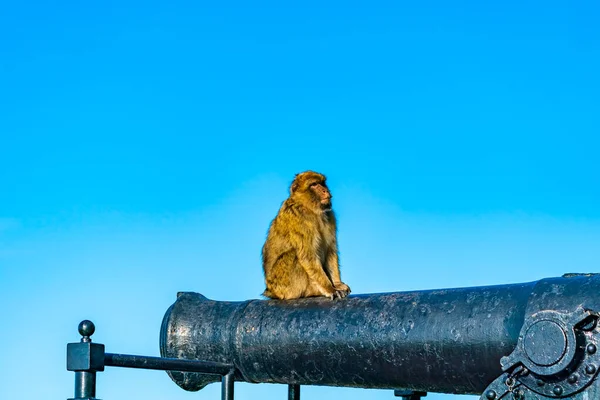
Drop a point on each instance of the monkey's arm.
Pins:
(333, 268)
(332, 265)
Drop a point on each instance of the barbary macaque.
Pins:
(300, 255)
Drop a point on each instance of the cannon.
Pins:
(536, 340)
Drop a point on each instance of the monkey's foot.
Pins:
(342, 287)
(338, 294)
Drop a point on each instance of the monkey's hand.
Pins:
(333, 293)
(342, 287)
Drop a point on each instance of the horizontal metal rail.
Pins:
(167, 364)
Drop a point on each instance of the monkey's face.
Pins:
(322, 194)
(309, 187)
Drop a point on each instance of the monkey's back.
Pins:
(289, 224)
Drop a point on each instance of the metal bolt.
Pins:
(540, 382)
(518, 394)
(557, 390)
(590, 369)
(591, 348)
(573, 378)
(490, 395)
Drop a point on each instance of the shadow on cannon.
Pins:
(534, 340)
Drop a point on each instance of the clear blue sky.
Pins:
(144, 148)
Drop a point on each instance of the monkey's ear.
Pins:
(294, 187)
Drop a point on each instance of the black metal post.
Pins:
(293, 392)
(85, 385)
(409, 394)
(227, 386)
(85, 359)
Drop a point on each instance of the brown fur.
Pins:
(300, 255)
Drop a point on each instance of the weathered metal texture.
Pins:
(437, 340)
(556, 355)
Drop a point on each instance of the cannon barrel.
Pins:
(450, 340)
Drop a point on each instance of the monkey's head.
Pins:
(309, 187)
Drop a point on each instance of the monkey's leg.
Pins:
(313, 290)
(319, 281)
(286, 280)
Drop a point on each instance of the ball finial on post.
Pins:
(86, 329)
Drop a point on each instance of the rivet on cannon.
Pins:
(557, 390)
(590, 369)
(591, 348)
(573, 378)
